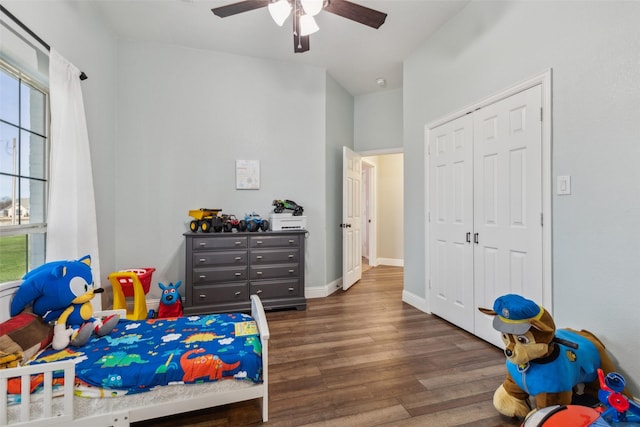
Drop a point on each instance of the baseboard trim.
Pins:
(323, 291)
(418, 302)
(393, 262)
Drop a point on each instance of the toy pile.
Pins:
(547, 364)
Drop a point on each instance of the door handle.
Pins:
(469, 237)
(475, 238)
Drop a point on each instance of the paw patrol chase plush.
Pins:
(542, 362)
(60, 292)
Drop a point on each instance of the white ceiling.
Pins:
(354, 54)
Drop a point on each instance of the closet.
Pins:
(485, 201)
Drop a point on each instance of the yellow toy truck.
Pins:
(206, 220)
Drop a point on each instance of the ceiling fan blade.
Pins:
(235, 8)
(300, 43)
(355, 12)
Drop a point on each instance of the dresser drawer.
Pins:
(276, 289)
(274, 256)
(274, 241)
(212, 294)
(273, 271)
(222, 274)
(231, 242)
(201, 259)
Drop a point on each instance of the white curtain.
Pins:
(72, 230)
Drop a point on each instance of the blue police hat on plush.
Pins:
(513, 314)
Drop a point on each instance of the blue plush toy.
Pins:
(170, 303)
(60, 292)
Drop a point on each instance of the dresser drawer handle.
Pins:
(203, 260)
(202, 296)
(238, 258)
(238, 293)
(237, 274)
(291, 241)
(238, 243)
(259, 273)
(202, 243)
(291, 255)
(258, 242)
(292, 289)
(292, 271)
(259, 257)
(259, 291)
(202, 276)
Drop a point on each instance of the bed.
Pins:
(63, 384)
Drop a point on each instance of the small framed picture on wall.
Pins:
(247, 174)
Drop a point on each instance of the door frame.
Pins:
(543, 79)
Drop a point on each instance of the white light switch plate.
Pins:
(563, 185)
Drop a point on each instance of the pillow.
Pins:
(21, 337)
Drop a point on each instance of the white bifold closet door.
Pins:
(485, 198)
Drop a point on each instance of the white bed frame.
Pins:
(60, 411)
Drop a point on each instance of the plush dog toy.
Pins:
(60, 292)
(170, 303)
(542, 362)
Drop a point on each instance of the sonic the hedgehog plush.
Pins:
(60, 292)
(541, 361)
(170, 303)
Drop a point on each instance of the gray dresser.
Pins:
(223, 269)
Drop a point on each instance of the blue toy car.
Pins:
(255, 222)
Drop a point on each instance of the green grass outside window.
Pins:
(13, 258)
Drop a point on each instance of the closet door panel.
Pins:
(508, 187)
(451, 224)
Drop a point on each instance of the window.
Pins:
(24, 154)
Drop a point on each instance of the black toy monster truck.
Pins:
(281, 205)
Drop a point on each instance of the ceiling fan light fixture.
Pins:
(280, 11)
(312, 7)
(308, 25)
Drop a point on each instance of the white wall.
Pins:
(390, 209)
(592, 48)
(185, 116)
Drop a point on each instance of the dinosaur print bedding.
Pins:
(140, 355)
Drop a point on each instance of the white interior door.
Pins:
(451, 222)
(508, 203)
(351, 217)
(485, 201)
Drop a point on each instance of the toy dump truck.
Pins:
(206, 220)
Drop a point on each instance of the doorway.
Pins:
(368, 215)
(383, 209)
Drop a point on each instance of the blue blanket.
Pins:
(139, 355)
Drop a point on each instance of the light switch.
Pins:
(564, 185)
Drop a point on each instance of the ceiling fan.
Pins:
(303, 12)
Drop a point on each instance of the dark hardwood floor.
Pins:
(365, 358)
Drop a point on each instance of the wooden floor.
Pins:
(365, 358)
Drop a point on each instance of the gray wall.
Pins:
(593, 49)
(80, 37)
(185, 116)
(166, 125)
(378, 121)
(339, 113)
